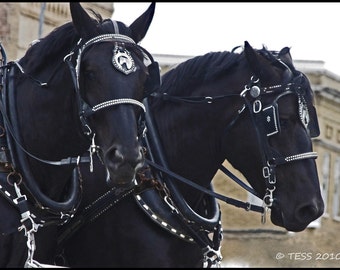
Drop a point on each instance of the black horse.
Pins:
(76, 94)
(252, 108)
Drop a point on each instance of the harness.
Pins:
(28, 215)
(266, 123)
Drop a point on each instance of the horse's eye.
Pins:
(284, 123)
(89, 75)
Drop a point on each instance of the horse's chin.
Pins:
(120, 182)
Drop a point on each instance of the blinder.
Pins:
(307, 114)
(153, 82)
(307, 111)
(313, 124)
(270, 119)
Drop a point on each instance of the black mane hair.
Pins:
(55, 46)
(199, 69)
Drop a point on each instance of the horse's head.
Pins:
(281, 120)
(112, 76)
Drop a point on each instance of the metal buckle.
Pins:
(257, 106)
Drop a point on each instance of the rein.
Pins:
(246, 205)
(91, 212)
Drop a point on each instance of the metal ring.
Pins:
(3, 131)
(14, 177)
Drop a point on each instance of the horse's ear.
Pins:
(251, 56)
(285, 56)
(141, 25)
(83, 23)
(261, 67)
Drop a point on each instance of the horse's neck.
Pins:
(44, 125)
(190, 145)
(47, 117)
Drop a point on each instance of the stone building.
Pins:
(21, 23)
(247, 242)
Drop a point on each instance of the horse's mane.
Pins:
(198, 70)
(56, 45)
(205, 68)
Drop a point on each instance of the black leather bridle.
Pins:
(266, 123)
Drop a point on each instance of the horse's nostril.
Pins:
(116, 157)
(307, 212)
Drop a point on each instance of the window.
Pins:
(329, 132)
(325, 180)
(336, 196)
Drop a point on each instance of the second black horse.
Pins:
(252, 108)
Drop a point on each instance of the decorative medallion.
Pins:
(303, 112)
(122, 60)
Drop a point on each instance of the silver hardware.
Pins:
(116, 102)
(93, 149)
(265, 172)
(209, 100)
(257, 106)
(301, 156)
(212, 258)
(169, 202)
(255, 91)
(242, 109)
(268, 197)
(243, 93)
(122, 60)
